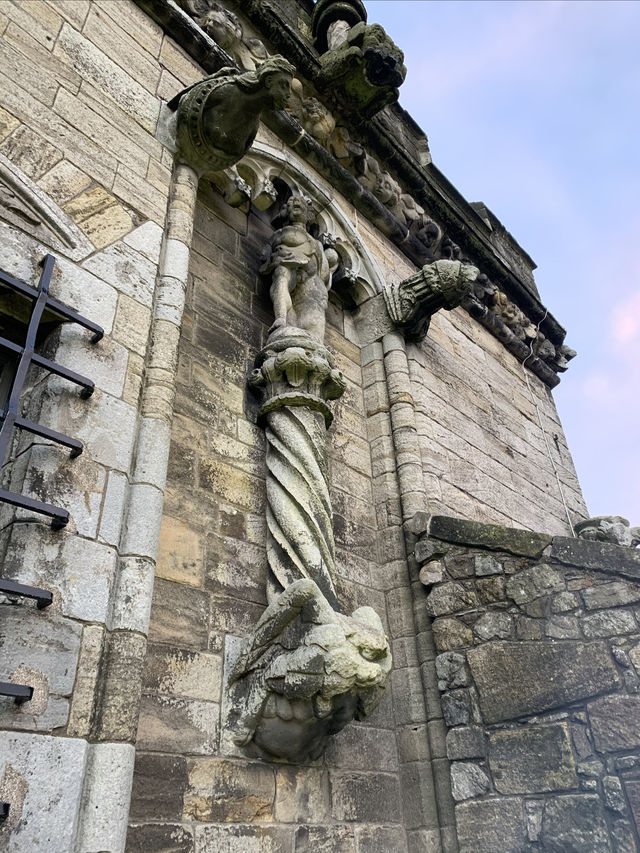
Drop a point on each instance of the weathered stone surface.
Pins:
(221, 791)
(602, 556)
(532, 759)
(608, 623)
(185, 726)
(562, 628)
(490, 589)
(159, 838)
(468, 780)
(615, 722)
(632, 788)
(534, 582)
(574, 824)
(159, 783)
(486, 564)
(494, 626)
(613, 794)
(301, 793)
(473, 533)
(611, 594)
(325, 839)
(451, 670)
(449, 598)
(179, 612)
(45, 643)
(364, 747)
(491, 826)
(44, 823)
(456, 707)
(243, 838)
(381, 839)
(564, 673)
(451, 634)
(182, 672)
(468, 742)
(365, 798)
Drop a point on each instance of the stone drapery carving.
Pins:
(218, 117)
(442, 284)
(305, 672)
(609, 528)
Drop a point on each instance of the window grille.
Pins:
(21, 357)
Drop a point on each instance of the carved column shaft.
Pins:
(299, 376)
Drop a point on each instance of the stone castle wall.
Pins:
(538, 665)
(445, 427)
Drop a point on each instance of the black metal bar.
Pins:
(9, 417)
(20, 692)
(42, 597)
(11, 410)
(10, 346)
(59, 517)
(53, 367)
(53, 305)
(73, 444)
(4, 811)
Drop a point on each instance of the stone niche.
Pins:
(538, 667)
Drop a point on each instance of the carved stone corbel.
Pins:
(442, 284)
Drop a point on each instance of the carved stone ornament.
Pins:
(226, 30)
(305, 672)
(25, 206)
(442, 284)
(218, 117)
(364, 71)
(609, 528)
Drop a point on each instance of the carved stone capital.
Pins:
(442, 284)
(295, 370)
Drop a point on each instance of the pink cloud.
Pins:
(625, 321)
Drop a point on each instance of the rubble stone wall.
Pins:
(538, 667)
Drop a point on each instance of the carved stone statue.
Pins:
(218, 117)
(300, 269)
(306, 671)
(226, 30)
(609, 528)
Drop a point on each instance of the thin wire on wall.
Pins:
(544, 434)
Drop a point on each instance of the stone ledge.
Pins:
(602, 556)
(522, 543)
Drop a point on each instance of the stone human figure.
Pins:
(218, 118)
(301, 270)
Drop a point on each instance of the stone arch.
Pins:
(359, 276)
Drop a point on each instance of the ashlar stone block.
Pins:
(564, 673)
(532, 759)
(615, 722)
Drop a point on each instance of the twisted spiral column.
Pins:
(299, 376)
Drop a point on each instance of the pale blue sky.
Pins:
(533, 107)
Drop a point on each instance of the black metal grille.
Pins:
(25, 356)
